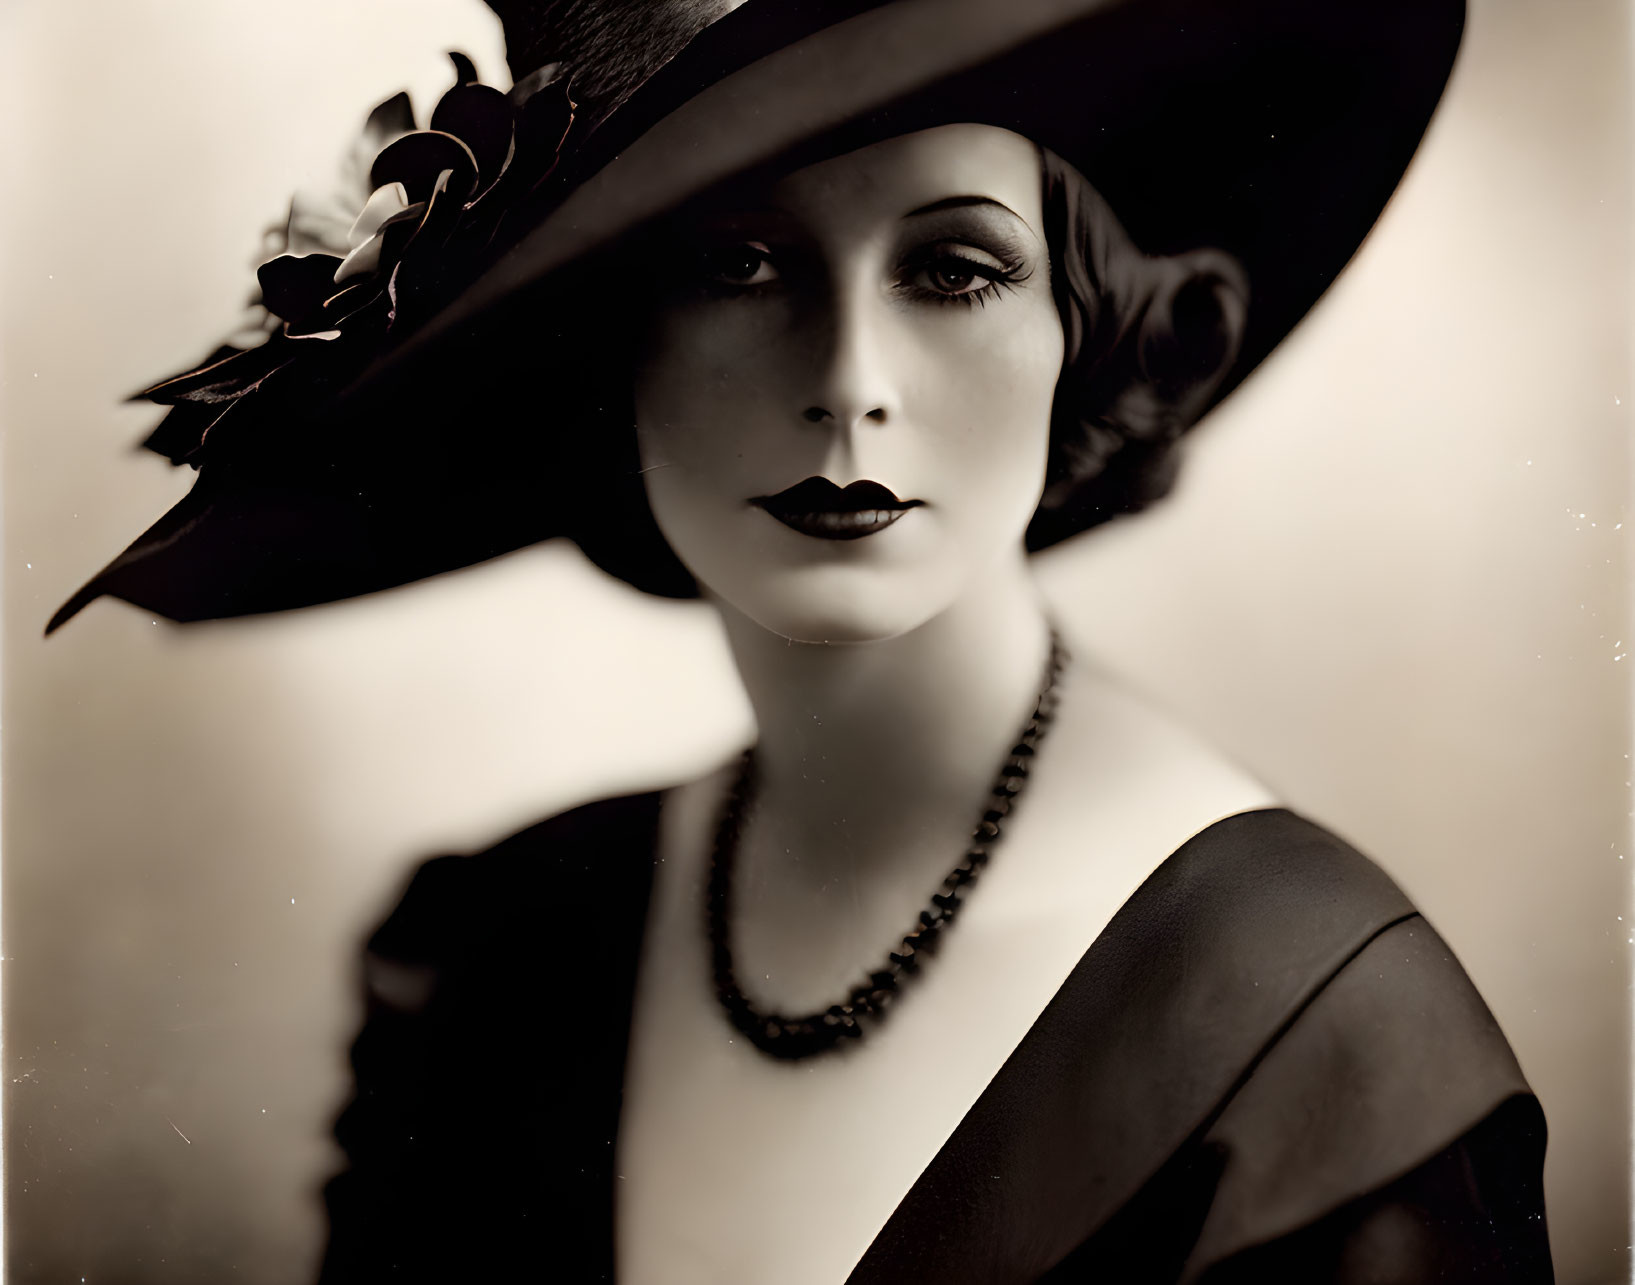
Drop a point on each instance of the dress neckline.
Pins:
(1142, 1126)
(909, 1223)
(1010, 1080)
(1108, 1100)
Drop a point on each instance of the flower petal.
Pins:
(416, 160)
(219, 381)
(221, 354)
(342, 310)
(179, 433)
(293, 285)
(417, 267)
(544, 119)
(362, 262)
(543, 126)
(481, 118)
(383, 203)
(344, 303)
(465, 71)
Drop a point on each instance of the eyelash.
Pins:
(1005, 277)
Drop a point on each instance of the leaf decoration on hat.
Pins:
(414, 219)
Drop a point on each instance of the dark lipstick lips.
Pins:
(819, 508)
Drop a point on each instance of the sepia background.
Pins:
(1394, 582)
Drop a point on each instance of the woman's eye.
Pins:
(745, 264)
(953, 276)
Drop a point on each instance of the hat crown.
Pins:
(609, 48)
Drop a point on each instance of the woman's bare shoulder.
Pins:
(1126, 744)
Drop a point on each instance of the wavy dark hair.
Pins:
(1147, 341)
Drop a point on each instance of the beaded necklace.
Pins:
(798, 1037)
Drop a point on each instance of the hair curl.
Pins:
(1147, 341)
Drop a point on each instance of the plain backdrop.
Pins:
(1393, 582)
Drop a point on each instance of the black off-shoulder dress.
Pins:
(1267, 1068)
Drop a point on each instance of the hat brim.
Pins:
(1275, 130)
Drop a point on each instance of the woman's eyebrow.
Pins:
(960, 202)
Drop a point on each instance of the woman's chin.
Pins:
(832, 631)
(835, 609)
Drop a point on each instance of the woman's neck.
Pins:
(873, 736)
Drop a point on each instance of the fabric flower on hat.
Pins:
(425, 217)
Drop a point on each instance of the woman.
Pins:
(876, 342)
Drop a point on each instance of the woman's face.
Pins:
(844, 404)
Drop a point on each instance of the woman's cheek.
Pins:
(698, 450)
(679, 389)
(994, 414)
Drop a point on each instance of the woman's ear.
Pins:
(1191, 332)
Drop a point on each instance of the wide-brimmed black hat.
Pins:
(354, 450)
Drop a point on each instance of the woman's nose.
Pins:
(853, 385)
